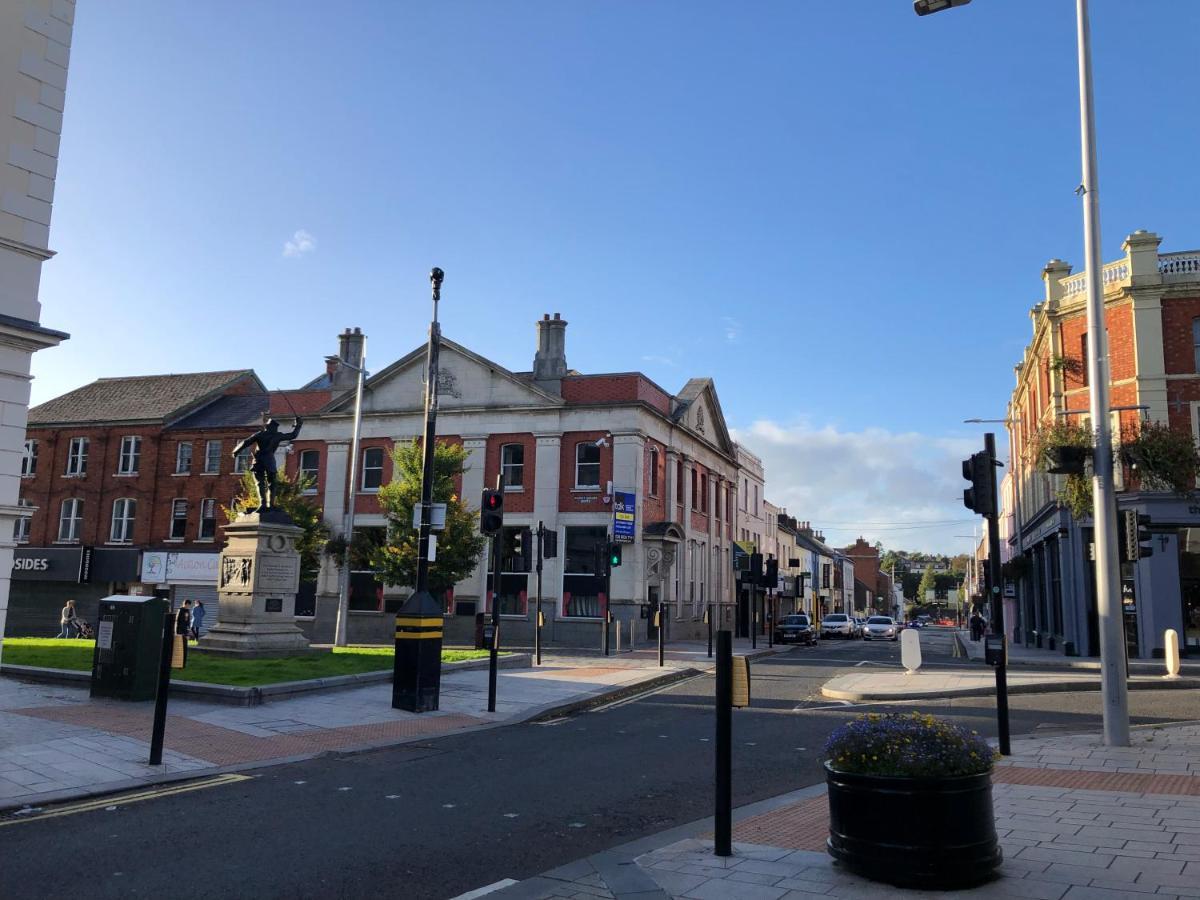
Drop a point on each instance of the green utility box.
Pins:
(128, 647)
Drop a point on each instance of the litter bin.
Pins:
(479, 642)
(128, 645)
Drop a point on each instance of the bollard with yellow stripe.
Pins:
(416, 681)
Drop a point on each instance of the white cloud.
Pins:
(904, 489)
(732, 328)
(659, 360)
(299, 244)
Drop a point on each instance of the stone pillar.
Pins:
(545, 510)
(1141, 249)
(257, 581)
(337, 460)
(629, 457)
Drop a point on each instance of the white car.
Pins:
(838, 624)
(883, 628)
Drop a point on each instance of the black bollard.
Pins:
(723, 812)
(164, 687)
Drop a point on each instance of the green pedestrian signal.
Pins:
(614, 555)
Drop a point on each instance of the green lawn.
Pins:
(55, 653)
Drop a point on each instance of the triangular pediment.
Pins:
(465, 380)
(699, 411)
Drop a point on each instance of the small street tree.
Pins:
(459, 545)
(928, 583)
(288, 496)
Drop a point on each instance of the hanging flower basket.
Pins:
(1162, 458)
(1064, 448)
(910, 802)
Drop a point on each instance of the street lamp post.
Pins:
(343, 610)
(417, 673)
(1113, 688)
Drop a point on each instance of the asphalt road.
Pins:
(436, 819)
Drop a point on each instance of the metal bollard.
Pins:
(164, 688)
(618, 637)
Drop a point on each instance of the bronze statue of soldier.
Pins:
(265, 443)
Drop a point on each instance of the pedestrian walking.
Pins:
(67, 619)
(198, 614)
(976, 626)
(183, 625)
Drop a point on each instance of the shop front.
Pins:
(45, 578)
(183, 576)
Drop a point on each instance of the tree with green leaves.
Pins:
(459, 544)
(928, 583)
(288, 496)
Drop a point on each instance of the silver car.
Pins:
(883, 628)
(838, 624)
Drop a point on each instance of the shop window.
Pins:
(372, 469)
(131, 455)
(29, 458)
(77, 454)
(124, 511)
(512, 466)
(70, 519)
(310, 470)
(582, 584)
(208, 519)
(587, 465)
(212, 457)
(179, 511)
(183, 458)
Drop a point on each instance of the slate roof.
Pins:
(231, 411)
(136, 399)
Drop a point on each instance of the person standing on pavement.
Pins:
(183, 625)
(67, 620)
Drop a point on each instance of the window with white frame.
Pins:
(372, 469)
(70, 519)
(208, 519)
(123, 513)
(241, 461)
(183, 457)
(29, 458)
(310, 469)
(179, 511)
(77, 454)
(212, 457)
(653, 471)
(587, 465)
(131, 455)
(21, 524)
(512, 466)
(1196, 345)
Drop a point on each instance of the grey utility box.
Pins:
(128, 647)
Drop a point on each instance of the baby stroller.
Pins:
(85, 630)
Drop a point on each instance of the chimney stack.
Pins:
(350, 353)
(550, 361)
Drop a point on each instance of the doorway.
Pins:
(654, 606)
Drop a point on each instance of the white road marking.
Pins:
(511, 815)
(486, 889)
(392, 797)
(345, 789)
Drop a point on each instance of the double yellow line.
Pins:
(82, 806)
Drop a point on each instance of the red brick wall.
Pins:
(570, 500)
(285, 404)
(650, 393)
(622, 388)
(1178, 348)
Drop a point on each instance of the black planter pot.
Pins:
(1065, 460)
(934, 833)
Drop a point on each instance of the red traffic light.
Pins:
(492, 500)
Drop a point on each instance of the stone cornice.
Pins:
(41, 254)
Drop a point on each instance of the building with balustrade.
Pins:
(1152, 317)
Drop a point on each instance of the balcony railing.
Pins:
(1113, 274)
(1183, 266)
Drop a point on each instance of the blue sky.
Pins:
(837, 210)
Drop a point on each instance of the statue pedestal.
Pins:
(257, 580)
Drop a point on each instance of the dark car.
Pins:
(795, 628)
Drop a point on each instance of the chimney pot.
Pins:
(550, 361)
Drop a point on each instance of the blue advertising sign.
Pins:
(624, 516)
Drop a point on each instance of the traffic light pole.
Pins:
(989, 444)
(494, 643)
(753, 614)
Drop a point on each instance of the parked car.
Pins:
(837, 624)
(882, 628)
(914, 623)
(860, 625)
(795, 628)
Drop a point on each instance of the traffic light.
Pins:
(549, 544)
(1137, 537)
(491, 512)
(522, 549)
(981, 472)
(614, 555)
(771, 578)
(756, 568)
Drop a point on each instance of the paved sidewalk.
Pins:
(56, 743)
(1077, 821)
(895, 684)
(1020, 655)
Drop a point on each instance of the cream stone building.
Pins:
(35, 42)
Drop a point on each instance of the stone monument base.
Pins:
(257, 582)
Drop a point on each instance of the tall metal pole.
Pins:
(997, 601)
(494, 643)
(1113, 689)
(435, 340)
(537, 615)
(1014, 466)
(343, 611)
